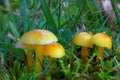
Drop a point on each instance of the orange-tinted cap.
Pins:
(54, 50)
(102, 40)
(83, 39)
(39, 37)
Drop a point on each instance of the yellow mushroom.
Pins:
(38, 38)
(83, 39)
(101, 40)
(54, 50)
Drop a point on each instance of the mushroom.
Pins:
(54, 50)
(101, 40)
(38, 38)
(83, 39)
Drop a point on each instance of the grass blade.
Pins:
(14, 30)
(24, 15)
(47, 13)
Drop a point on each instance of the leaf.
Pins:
(52, 29)
(24, 15)
(13, 6)
(4, 47)
(67, 34)
(14, 30)
(72, 10)
(19, 54)
(4, 11)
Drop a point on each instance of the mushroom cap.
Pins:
(39, 37)
(83, 39)
(19, 44)
(102, 40)
(54, 50)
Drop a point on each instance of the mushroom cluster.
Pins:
(44, 43)
(86, 40)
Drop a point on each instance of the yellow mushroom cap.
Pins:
(83, 39)
(102, 40)
(54, 50)
(39, 37)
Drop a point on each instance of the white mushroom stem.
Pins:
(84, 54)
(100, 53)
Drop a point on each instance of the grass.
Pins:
(64, 18)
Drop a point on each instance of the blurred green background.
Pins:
(64, 18)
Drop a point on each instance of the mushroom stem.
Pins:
(29, 57)
(100, 53)
(84, 54)
(39, 56)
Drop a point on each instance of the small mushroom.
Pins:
(101, 40)
(83, 39)
(38, 38)
(54, 50)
